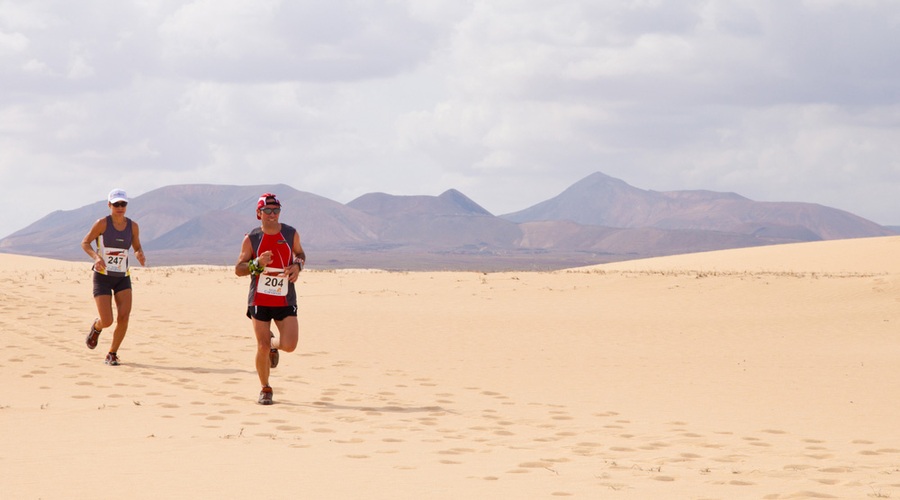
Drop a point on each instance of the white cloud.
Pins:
(510, 101)
(314, 40)
(219, 28)
(80, 68)
(11, 43)
(35, 67)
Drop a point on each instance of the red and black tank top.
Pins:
(271, 288)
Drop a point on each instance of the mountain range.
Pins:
(598, 219)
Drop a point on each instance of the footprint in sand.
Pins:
(350, 441)
(755, 441)
(443, 398)
(456, 451)
(836, 470)
(586, 447)
(534, 465)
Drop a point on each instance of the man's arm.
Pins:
(242, 267)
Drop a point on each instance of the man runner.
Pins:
(273, 258)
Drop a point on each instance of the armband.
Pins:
(255, 268)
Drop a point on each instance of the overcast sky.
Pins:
(508, 101)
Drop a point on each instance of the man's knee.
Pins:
(287, 344)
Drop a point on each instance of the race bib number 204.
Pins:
(272, 284)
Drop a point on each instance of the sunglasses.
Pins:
(120, 204)
(268, 211)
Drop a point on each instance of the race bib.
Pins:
(116, 259)
(275, 283)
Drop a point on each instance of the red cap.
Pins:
(266, 199)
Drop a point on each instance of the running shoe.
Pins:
(273, 357)
(273, 353)
(265, 396)
(92, 336)
(112, 359)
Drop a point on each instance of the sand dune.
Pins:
(755, 373)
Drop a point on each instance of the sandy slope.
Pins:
(756, 373)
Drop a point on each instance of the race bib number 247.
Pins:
(116, 259)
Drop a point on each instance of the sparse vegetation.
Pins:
(700, 274)
(878, 493)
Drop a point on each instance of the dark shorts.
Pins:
(266, 313)
(109, 285)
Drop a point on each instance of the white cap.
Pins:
(117, 195)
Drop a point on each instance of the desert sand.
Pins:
(765, 373)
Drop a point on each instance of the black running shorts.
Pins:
(105, 284)
(266, 313)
